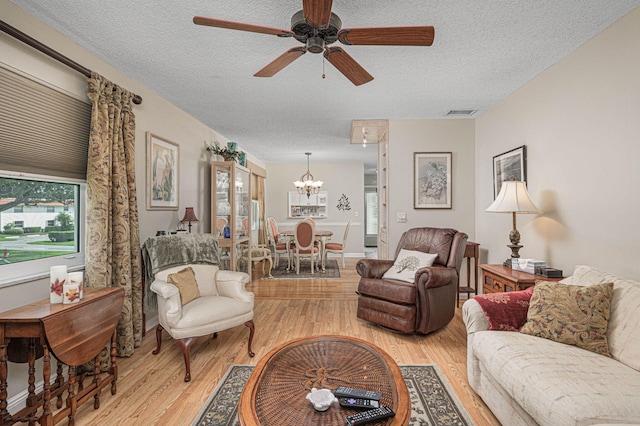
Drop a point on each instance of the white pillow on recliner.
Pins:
(407, 263)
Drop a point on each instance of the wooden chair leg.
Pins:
(185, 344)
(251, 331)
(158, 339)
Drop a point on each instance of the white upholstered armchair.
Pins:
(220, 302)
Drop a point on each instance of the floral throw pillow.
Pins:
(407, 263)
(505, 311)
(575, 315)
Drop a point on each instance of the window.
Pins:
(32, 240)
(54, 125)
(51, 209)
(18, 209)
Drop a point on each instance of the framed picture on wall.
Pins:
(511, 165)
(431, 180)
(163, 159)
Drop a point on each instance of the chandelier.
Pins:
(306, 184)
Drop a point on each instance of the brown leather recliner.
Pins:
(429, 302)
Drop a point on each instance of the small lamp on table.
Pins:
(189, 217)
(513, 198)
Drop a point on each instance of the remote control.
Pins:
(359, 403)
(370, 416)
(345, 392)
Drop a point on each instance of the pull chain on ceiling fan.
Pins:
(316, 27)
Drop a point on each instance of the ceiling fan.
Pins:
(317, 27)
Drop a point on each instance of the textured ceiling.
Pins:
(483, 50)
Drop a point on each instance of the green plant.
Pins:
(65, 221)
(13, 231)
(32, 229)
(227, 153)
(61, 236)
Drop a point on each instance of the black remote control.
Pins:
(345, 392)
(349, 402)
(370, 416)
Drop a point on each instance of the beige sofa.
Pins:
(528, 380)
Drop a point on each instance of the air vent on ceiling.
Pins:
(461, 112)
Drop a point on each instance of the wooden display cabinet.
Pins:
(231, 204)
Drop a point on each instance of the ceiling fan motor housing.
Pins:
(315, 38)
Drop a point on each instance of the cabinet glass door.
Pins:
(223, 212)
(231, 202)
(242, 204)
(223, 198)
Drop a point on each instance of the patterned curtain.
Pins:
(113, 240)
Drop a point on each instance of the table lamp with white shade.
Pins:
(513, 198)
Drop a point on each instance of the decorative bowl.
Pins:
(321, 399)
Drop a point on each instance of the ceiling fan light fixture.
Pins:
(315, 45)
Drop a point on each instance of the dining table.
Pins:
(320, 235)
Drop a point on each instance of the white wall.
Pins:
(580, 121)
(446, 135)
(338, 178)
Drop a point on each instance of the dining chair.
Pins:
(305, 244)
(330, 247)
(221, 222)
(278, 247)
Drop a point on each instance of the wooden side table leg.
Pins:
(59, 383)
(96, 381)
(72, 401)
(31, 361)
(47, 416)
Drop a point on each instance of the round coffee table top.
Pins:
(276, 391)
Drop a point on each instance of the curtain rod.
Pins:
(15, 33)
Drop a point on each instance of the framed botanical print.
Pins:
(510, 165)
(163, 159)
(431, 180)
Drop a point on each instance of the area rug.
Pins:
(433, 402)
(280, 271)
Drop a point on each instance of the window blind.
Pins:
(42, 131)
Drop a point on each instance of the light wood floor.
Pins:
(151, 389)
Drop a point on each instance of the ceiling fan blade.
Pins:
(388, 36)
(221, 23)
(317, 12)
(347, 65)
(280, 62)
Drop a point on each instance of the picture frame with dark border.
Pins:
(432, 180)
(163, 173)
(508, 166)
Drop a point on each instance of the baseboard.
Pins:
(337, 256)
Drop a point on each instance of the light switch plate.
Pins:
(401, 217)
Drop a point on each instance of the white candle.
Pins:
(77, 278)
(57, 278)
(71, 293)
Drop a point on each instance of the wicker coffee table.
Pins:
(275, 392)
